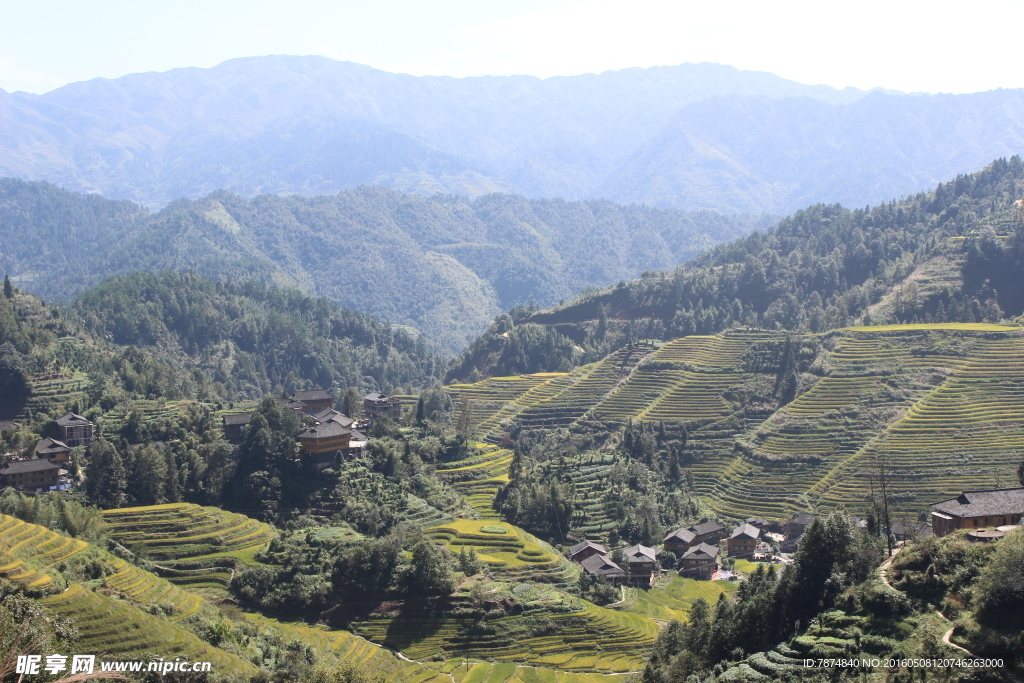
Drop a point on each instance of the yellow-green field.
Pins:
(673, 598)
(178, 533)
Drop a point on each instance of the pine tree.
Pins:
(421, 412)
(107, 479)
(8, 287)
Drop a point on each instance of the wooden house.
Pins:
(680, 540)
(700, 562)
(75, 430)
(53, 450)
(601, 566)
(313, 400)
(582, 551)
(743, 541)
(641, 563)
(38, 474)
(234, 426)
(376, 405)
(978, 509)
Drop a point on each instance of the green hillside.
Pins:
(443, 265)
(950, 255)
(941, 405)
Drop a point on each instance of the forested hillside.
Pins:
(253, 340)
(443, 265)
(953, 255)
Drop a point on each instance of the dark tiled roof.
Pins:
(358, 436)
(900, 529)
(601, 565)
(289, 403)
(683, 535)
(238, 419)
(375, 397)
(72, 420)
(641, 553)
(324, 430)
(34, 465)
(587, 544)
(312, 395)
(756, 521)
(703, 549)
(804, 518)
(47, 446)
(332, 415)
(984, 503)
(707, 528)
(7, 424)
(746, 530)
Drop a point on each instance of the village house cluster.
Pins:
(326, 432)
(48, 469)
(697, 551)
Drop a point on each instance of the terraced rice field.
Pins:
(184, 533)
(29, 551)
(479, 477)
(510, 552)
(966, 433)
(114, 627)
(151, 411)
(336, 647)
(590, 638)
(674, 599)
(30, 556)
(596, 381)
(945, 409)
(467, 671)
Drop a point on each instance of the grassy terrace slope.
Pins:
(510, 552)
(35, 558)
(192, 545)
(943, 404)
(574, 635)
(479, 477)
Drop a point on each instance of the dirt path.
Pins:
(883, 572)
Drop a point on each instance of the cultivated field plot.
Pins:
(966, 433)
(674, 598)
(587, 638)
(31, 556)
(336, 647)
(510, 552)
(182, 537)
(479, 477)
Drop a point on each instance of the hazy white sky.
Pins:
(935, 46)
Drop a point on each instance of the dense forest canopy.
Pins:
(252, 339)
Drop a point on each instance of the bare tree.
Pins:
(880, 481)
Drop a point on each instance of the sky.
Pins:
(935, 46)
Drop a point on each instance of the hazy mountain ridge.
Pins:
(311, 125)
(442, 265)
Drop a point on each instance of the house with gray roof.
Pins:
(978, 509)
(75, 430)
(602, 566)
(699, 562)
(582, 551)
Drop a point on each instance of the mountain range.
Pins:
(692, 136)
(442, 265)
